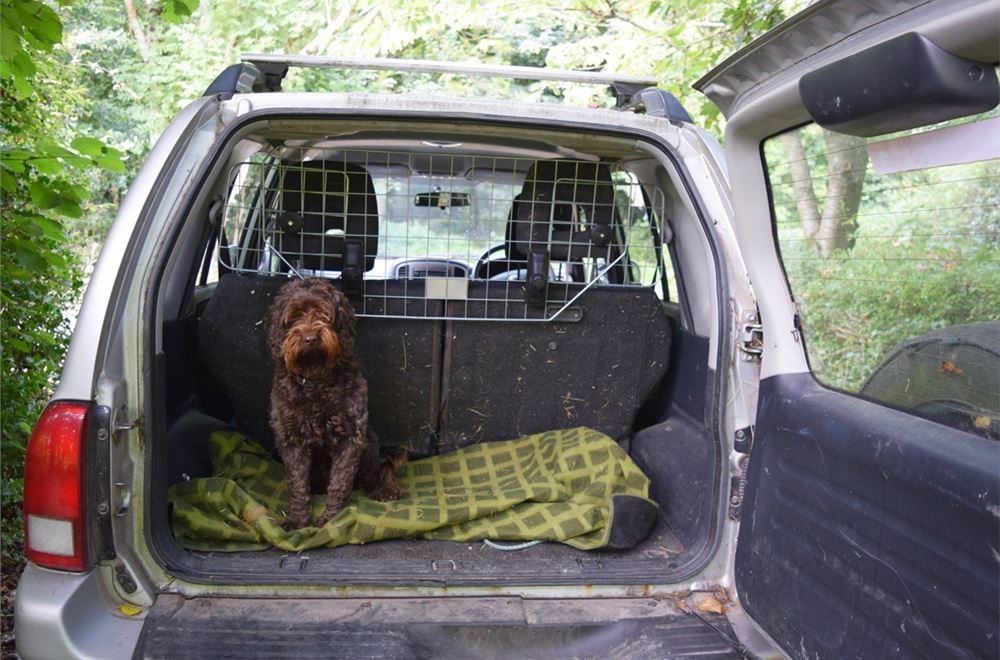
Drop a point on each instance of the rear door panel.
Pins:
(868, 532)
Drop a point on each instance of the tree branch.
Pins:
(321, 42)
(610, 15)
(136, 28)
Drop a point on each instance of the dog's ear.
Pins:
(343, 323)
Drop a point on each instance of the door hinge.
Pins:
(751, 336)
(743, 440)
(742, 443)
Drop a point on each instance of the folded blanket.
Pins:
(575, 486)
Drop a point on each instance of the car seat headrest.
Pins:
(566, 208)
(327, 217)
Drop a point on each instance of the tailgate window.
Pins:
(891, 246)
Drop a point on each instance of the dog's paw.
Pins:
(389, 492)
(329, 513)
(291, 523)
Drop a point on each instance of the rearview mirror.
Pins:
(443, 200)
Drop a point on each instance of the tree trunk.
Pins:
(802, 187)
(846, 161)
(136, 27)
(832, 228)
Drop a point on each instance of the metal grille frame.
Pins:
(442, 234)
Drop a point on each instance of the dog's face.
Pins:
(310, 326)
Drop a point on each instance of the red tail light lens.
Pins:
(54, 505)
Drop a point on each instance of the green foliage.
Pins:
(132, 99)
(25, 26)
(175, 11)
(926, 256)
(44, 167)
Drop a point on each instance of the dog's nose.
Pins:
(309, 339)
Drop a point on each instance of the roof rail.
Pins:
(461, 68)
(264, 73)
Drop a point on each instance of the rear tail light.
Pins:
(54, 502)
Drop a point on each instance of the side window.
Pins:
(892, 250)
(642, 220)
(248, 188)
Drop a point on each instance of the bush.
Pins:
(43, 172)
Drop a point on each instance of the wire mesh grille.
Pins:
(444, 235)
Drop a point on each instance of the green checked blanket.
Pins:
(567, 485)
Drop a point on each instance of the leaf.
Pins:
(10, 40)
(15, 154)
(58, 196)
(18, 344)
(50, 149)
(41, 24)
(21, 65)
(69, 208)
(15, 165)
(22, 87)
(711, 604)
(52, 166)
(7, 182)
(50, 228)
(111, 161)
(78, 162)
(175, 11)
(78, 192)
(43, 196)
(57, 261)
(89, 146)
(29, 258)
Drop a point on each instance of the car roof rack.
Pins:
(264, 72)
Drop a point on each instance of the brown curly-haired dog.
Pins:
(319, 403)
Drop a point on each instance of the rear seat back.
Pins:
(437, 385)
(597, 366)
(507, 379)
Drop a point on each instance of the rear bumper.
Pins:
(63, 615)
(67, 615)
(445, 627)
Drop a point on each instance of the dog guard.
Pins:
(441, 233)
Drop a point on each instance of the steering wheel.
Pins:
(481, 270)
